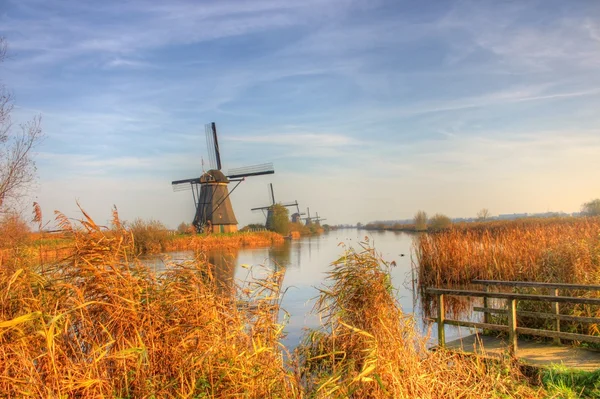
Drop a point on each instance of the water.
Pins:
(306, 261)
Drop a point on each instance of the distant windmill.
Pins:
(297, 216)
(310, 220)
(214, 212)
(269, 209)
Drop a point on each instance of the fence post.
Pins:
(556, 309)
(512, 326)
(440, 321)
(486, 316)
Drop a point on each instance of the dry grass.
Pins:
(223, 241)
(369, 349)
(542, 250)
(102, 325)
(559, 250)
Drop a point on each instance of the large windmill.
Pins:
(214, 212)
(269, 208)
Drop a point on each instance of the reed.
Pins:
(565, 250)
(558, 250)
(368, 348)
(100, 324)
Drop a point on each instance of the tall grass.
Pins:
(559, 250)
(100, 324)
(103, 325)
(368, 348)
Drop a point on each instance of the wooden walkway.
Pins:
(530, 352)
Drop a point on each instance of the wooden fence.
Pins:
(554, 297)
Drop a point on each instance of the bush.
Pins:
(421, 221)
(439, 222)
(14, 231)
(150, 236)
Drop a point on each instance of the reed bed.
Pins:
(100, 324)
(559, 250)
(541, 250)
(223, 241)
(368, 348)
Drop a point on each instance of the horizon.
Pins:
(368, 110)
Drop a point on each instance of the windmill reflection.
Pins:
(223, 265)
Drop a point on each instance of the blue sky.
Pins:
(368, 109)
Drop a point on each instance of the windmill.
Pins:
(310, 220)
(214, 212)
(270, 208)
(297, 216)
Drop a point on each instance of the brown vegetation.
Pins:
(545, 250)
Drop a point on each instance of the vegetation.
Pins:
(591, 208)
(548, 250)
(150, 236)
(420, 221)
(542, 250)
(17, 167)
(280, 219)
(100, 324)
(565, 383)
(483, 215)
(368, 348)
(439, 222)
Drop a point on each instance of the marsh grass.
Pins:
(101, 324)
(542, 250)
(368, 348)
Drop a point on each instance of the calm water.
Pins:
(308, 259)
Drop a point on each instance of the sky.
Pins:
(369, 110)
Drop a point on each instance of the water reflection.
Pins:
(306, 262)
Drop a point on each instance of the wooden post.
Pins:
(486, 315)
(512, 326)
(440, 321)
(556, 309)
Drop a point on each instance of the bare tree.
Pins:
(17, 167)
(483, 214)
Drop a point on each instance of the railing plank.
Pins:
(554, 334)
(507, 295)
(538, 285)
(564, 317)
(483, 326)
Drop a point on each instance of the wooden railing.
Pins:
(511, 328)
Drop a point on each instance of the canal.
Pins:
(306, 262)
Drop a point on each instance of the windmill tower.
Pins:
(210, 191)
(297, 216)
(269, 208)
(315, 219)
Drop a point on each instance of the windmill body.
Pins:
(211, 193)
(269, 223)
(214, 210)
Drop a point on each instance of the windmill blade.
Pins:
(185, 184)
(272, 194)
(254, 170)
(212, 145)
(260, 208)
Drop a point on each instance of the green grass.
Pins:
(562, 382)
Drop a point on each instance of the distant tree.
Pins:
(17, 168)
(483, 215)
(359, 225)
(420, 221)
(439, 221)
(281, 219)
(14, 231)
(591, 208)
(186, 228)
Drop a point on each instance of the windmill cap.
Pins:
(214, 176)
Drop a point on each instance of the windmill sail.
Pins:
(254, 170)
